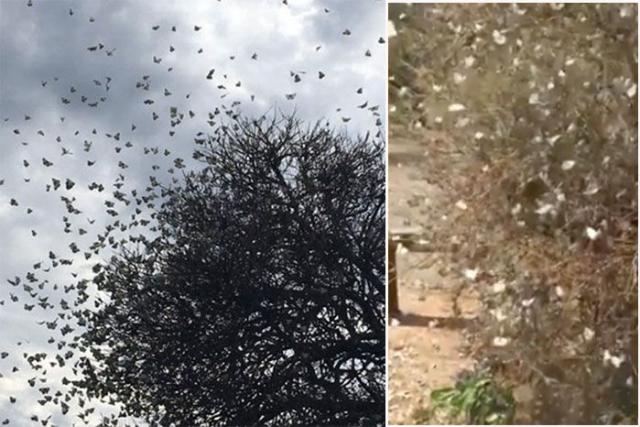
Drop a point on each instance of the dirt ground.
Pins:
(427, 346)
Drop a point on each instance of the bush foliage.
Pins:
(543, 100)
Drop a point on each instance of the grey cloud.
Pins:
(43, 41)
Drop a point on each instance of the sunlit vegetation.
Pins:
(541, 101)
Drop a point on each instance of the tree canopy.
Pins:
(259, 299)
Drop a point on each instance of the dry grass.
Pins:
(570, 304)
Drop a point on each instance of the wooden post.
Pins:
(406, 236)
(392, 294)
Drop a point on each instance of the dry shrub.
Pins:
(542, 99)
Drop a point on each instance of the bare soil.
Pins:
(428, 345)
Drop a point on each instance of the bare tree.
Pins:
(260, 301)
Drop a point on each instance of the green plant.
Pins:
(474, 400)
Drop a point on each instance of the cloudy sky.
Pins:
(50, 83)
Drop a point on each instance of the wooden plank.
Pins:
(405, 232)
